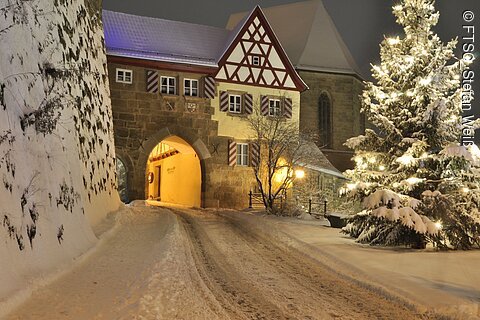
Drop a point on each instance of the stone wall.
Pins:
(347, 121)
(142, 120)
(343, 91)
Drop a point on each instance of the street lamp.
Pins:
(299, 174)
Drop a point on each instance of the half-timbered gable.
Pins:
(255, 57)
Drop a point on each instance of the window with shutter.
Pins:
(190, 87)
(168, 85)
(274, 108)
(235, 103)
(242, 154)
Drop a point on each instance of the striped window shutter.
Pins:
(287, 108)
(254, 154)
(209, 87)
(232, 153)
(264, 106)
(248, 103)
(223, 101)
(152, 81)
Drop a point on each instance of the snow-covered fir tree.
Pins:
(417, 183)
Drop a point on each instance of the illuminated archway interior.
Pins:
(174, 173)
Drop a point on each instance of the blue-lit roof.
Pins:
(132, 36)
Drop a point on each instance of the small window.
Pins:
(124, 76)
(235, 105)
(255, 60)
(190, 87)
(274, 108)
(242, 154)
(168, 85)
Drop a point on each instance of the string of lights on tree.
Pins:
(417, 184)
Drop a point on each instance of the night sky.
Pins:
(362, 23)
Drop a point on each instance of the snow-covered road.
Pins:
(191, 264)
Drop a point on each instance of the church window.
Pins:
(325, 120)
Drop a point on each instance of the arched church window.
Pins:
(325, 120)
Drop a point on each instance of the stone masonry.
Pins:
(347, 121)
(142, 120)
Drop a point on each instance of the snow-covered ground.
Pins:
(178, 263)
(448, 282)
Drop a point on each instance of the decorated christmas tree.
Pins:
(418, 184)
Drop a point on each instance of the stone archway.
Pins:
(140, 180)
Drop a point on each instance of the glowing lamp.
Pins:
(299, 174)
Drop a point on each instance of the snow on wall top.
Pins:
(134, 36)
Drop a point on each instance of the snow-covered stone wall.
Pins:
(57, 162)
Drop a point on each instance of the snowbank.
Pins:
(57, 162)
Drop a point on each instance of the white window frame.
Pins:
(190, 87)
(236, 105)
(277, 110)
(253, 61)
(243, 154)
(124, 76)
(168, 86)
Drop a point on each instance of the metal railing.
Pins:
(324, 202)
(255, 200)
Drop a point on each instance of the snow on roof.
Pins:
(132, 36)
(314, 43)
(314, 159)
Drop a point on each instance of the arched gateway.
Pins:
(171, 168)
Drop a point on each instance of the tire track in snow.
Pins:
(255, 278)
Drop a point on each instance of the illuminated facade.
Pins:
(181, 94)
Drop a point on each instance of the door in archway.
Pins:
(174, 172)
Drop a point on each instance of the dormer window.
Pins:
(124, 76)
